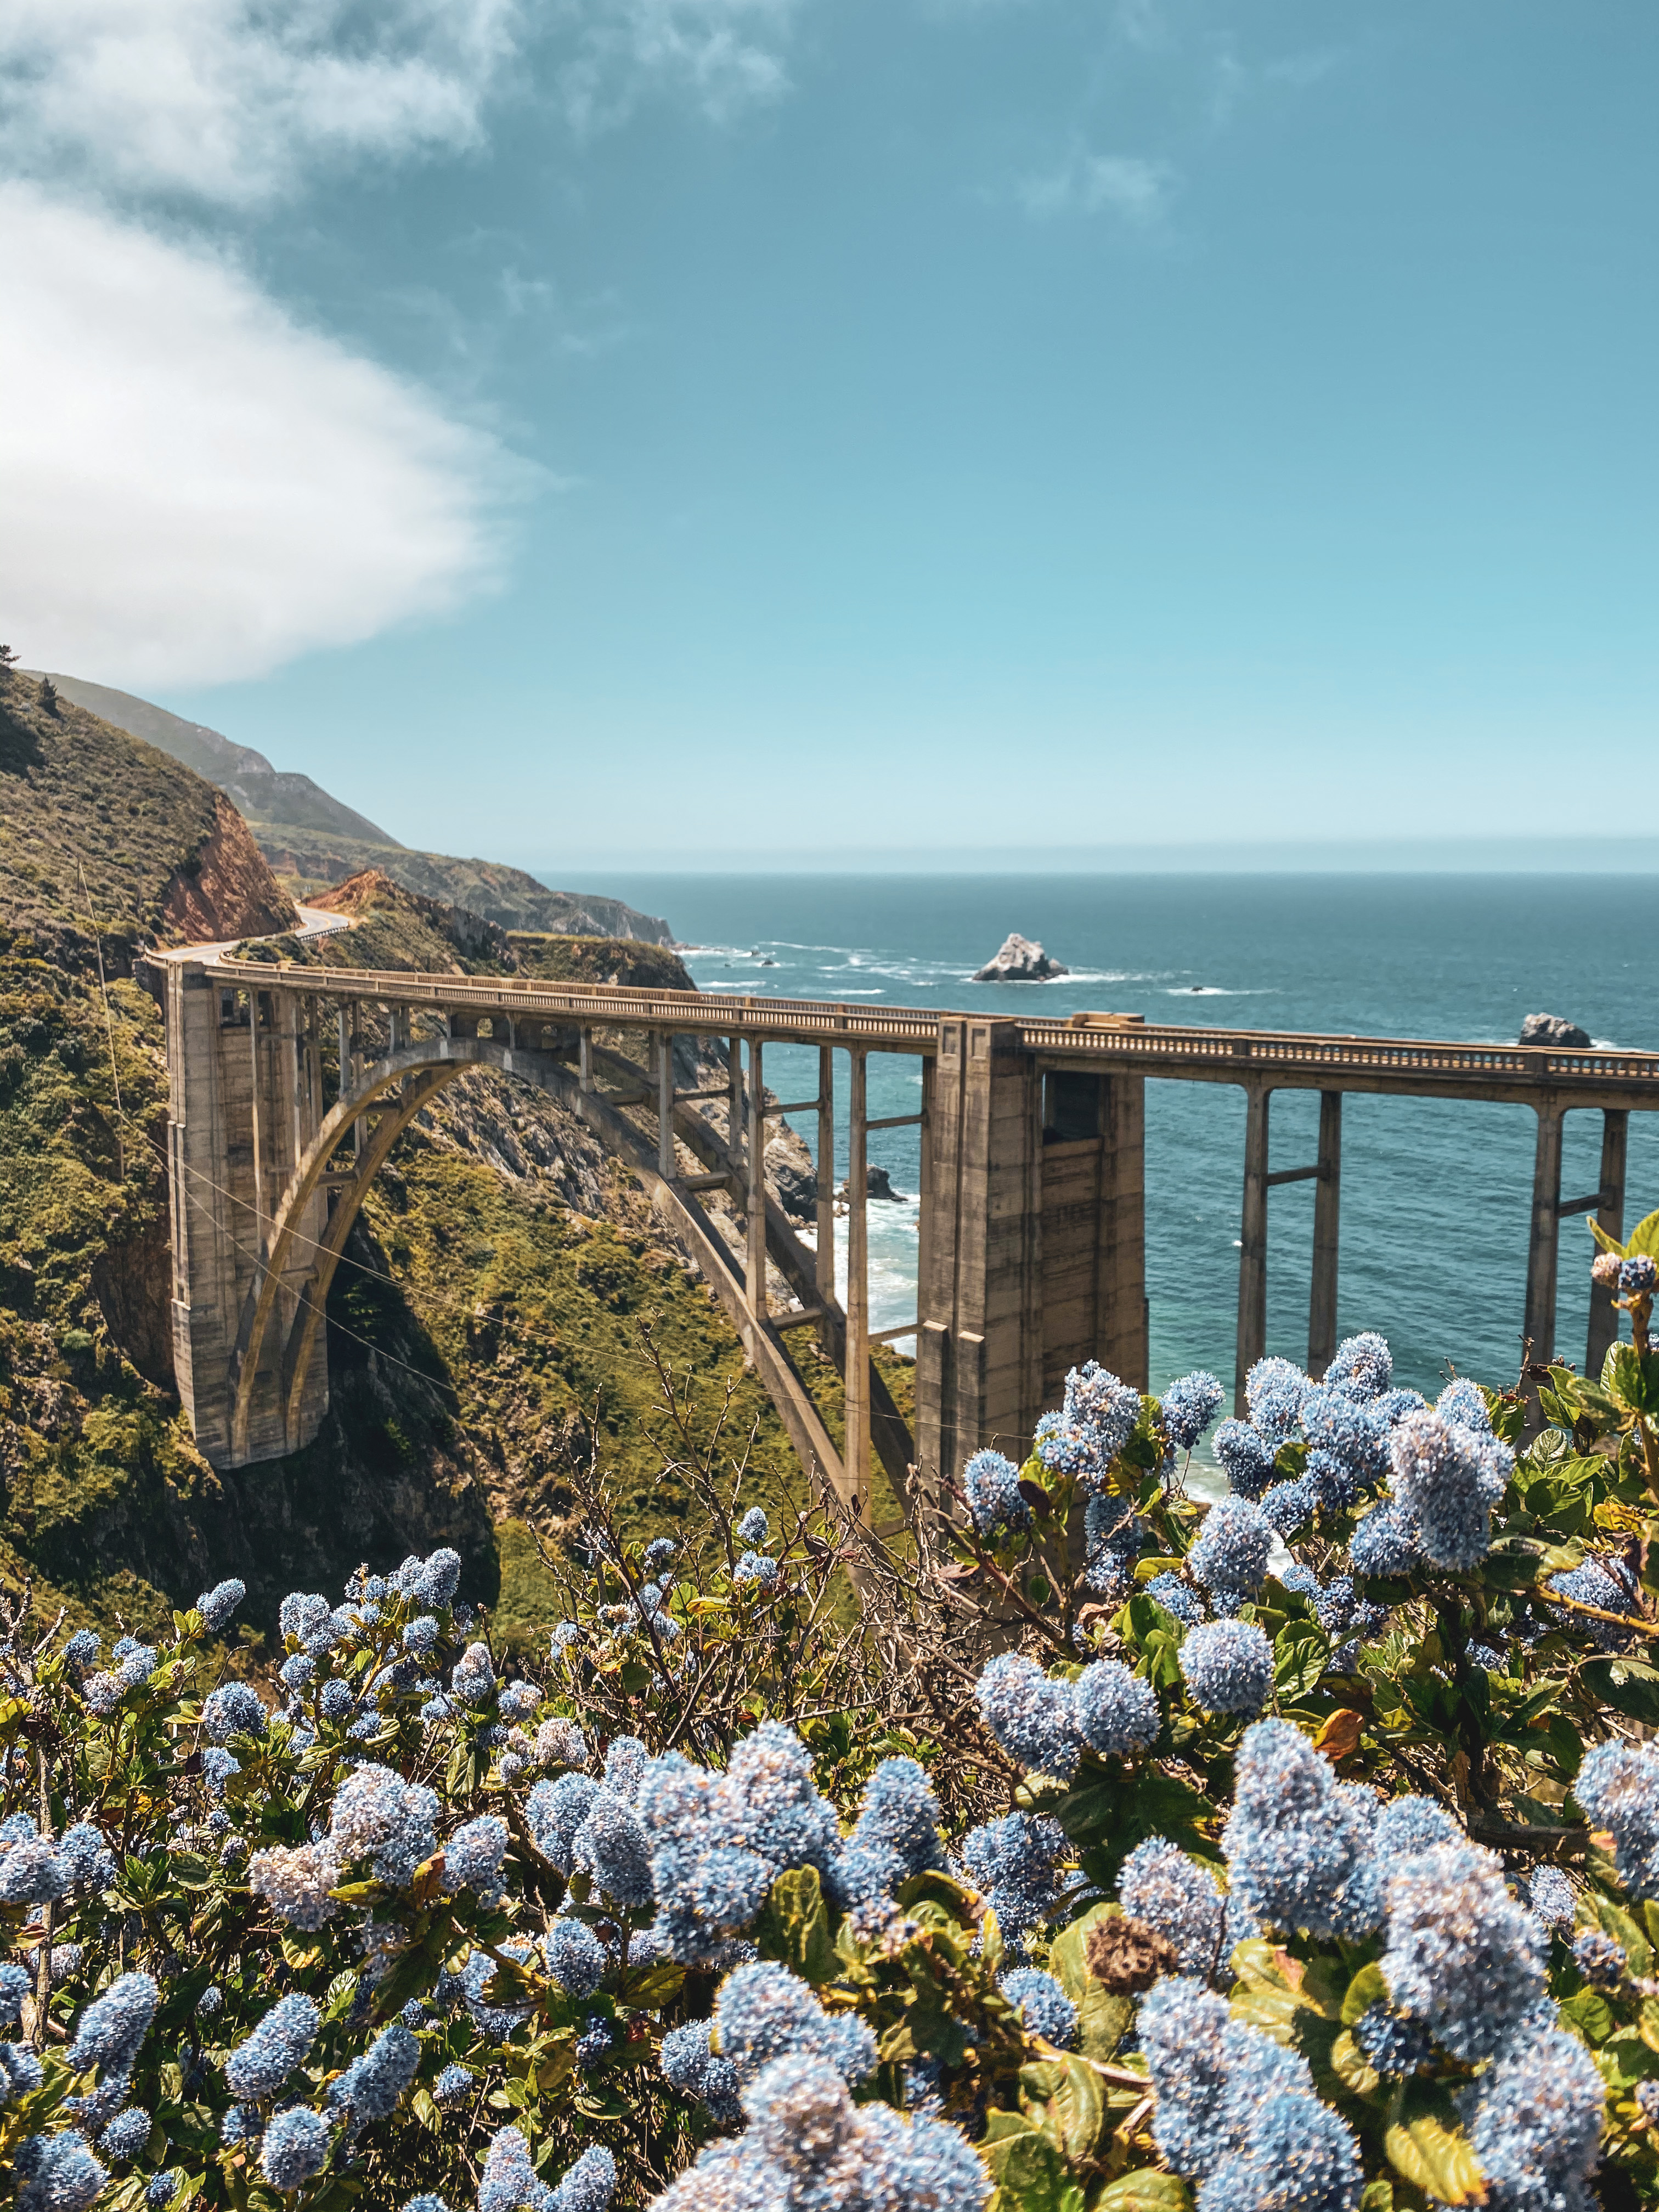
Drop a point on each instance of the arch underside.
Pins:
(388, 1097)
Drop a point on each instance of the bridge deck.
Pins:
(1290, 1060)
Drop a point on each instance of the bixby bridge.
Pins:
(1032, 1204)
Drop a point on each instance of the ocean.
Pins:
(1435, 1193)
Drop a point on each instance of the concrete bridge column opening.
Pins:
(1549, 1210)
(1603, 1333)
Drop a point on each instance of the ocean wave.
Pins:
(1220, 991)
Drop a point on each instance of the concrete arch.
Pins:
(401, 1084)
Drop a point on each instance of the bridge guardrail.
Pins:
(912, 1029)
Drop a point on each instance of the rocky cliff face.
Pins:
(225, 889)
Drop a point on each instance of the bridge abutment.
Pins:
(1034, 1248)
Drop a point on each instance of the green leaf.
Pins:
(1633, 1377)
(1066, 1961)
(1644, 1237)
(1077, 2112)
(1366, 1989)
(1376, 2196)
(1630, 1687)
(1426, 2144)
(1352, 2068)
(1588, 2011)
(1302, 1652)
(795, 1927)
(1618, 1923)
(1147, 2191)
(990, 1946)
(1031, 2173)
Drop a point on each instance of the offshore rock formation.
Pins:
(1553, 1029)
(1020, 961)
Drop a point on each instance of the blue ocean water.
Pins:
(1435, 1193)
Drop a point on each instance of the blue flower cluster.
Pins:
(1096, 1420)
(510, 2181)
(990, 1483)
(1618, 1785)
(896, 1836)
(1188, 1407)
(1237, 2112)
(1012, 1861)
(807, 2144)
(1438, 1480)
(1230, 1556)
(1602, 1580)
(1182, 1901)
(1461, 1955)
(1228, 1666)
(1043, 2007)
(1534, 2120)
(1046, 1724)
(1298, 1843)
(258, 2067)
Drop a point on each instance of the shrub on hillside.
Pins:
(1299, 1849)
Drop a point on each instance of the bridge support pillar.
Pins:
(1543, 1247)
(1253, 1244)
(979, 1352)
(755, 1271)
(243, 1102)
(823, 1268)
(855, 1450)
(666, 1166)
(1033, 1247)
(1328, 1196)
(1609, 1216)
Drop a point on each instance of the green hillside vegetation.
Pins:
(496, 1288)
(80, 798)
(259, 791)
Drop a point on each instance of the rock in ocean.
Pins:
(1021, 961)
(1553, 1029)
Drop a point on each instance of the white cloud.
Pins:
(196, 488)
(232, 101)
(236, 102)
(725, 55)
(1123, 185)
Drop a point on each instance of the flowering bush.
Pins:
(1116, 1852)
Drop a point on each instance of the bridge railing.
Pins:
(811, 1020)
(1266, 1048)
(914, 1028)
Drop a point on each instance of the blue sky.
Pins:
(681, 428)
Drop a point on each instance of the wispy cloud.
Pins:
(231, 102)
(1135, 191)
(197, 488)
(726, 56)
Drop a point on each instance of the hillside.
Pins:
(309, 861)
(312, 839)
(261, 792)
(94, 821)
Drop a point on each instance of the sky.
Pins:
(744, 432)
